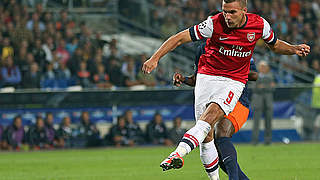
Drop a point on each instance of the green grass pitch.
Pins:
(276, 162)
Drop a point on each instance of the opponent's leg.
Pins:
(193, 137)
(228, 153)
(209, 156)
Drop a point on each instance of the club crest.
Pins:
(251, 36)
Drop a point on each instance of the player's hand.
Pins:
(178, 79)
(149, 65)
(302, 50)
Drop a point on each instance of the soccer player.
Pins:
(226, 127)
(223, 71)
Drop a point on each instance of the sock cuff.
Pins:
(204, 125)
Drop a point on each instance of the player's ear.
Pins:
(245, 10)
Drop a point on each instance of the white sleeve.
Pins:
(202, 30)
(268, 35)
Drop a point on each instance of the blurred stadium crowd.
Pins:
(41, 49)
(295, 21)
(43, 134)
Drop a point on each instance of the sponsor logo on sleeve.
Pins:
(203, 25)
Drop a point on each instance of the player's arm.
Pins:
(195, 33)
(169, 45)
(178, 79)
(282, 47)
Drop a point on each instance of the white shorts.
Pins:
(216, 89)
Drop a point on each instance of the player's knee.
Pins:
(212, 114)
(224, 128)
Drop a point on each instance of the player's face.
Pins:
(234, 14)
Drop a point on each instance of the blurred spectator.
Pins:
(84, 75)
(14, 136)
(6, 48)
(87, 50)
(177, 132)
(50, 130)
(98, 42)
(21, 61)
(35, 21)
(10, 73)
(64, 21)
(47, 18)
(130, 72)
(112, 51)
(74, 62)
(263, 103)
(37, 135)
(30, 59)
(39, 55)
(157, 133)
(118, 134)
(68, 35)
(63, 72)
(98, 60)
(116, 76)
(39, 8)
(50, 31)
(32, 78)
(134, 131)
(72, 45)
(88, 131)
(48, 48)
(64, 76)
(49, 77)
(62, 54)
(65, 133)
(58, 38)
(101, 78)
(316, 65)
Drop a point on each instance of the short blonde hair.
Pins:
(243, 3)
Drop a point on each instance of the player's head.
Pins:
(234, 12)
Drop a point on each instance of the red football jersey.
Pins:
(228, 50)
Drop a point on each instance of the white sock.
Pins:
(193, 137)
(210, 159)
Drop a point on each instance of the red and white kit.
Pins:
(227, 55)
